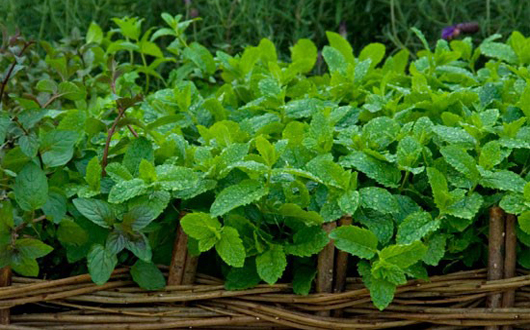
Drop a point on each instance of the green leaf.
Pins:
(454, 135)
(435, 250)
(57, 147)
(342, 45)
(147, 172)
(29, 145)
(490, 155)
(94, 34)
(378, 199)
(374, 51)
(307, 242)
(32, 248)
(408, 152)
(243, 193)
(25, 266)
(55, 207)
(93, 174)
(380, 132)
(303, 277)
(382, 172)
(402, 255)
(310, 218)
(5, 121)
(101, 264)
(31, 188)
(416, 226)
(139, 149)
(230, 247)
(381, 291)
(243, 278)
(304, 55)
(271, 264)
(461, 161)
(499, 51)
(202, 227)
(139, 246)
(147, 275)
(524, 221)
(118, 172)
(173, 178)
(465, 206)
(70, 233)
(157, 201)
(139, 217)
(439, 188)
(95, 210)
(357, 241)
(503, 180)
(349, 201)
(266, 150)
(329, 172)
(334, 59)
(125, 190)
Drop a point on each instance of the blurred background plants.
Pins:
(232, 24)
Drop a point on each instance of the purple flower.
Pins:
(450, 32)
(454, 31)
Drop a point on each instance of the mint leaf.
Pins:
(101, 264)
(382, 172)
(138, 217)
(349, 201)
(243, 193)
(93, 174)
(503, 180)
(524, 221)
(202, 227)
(303, 277)
(307, 242)
(118, 172)
(125, 190)
(139, 149)
(147, 275)
(230, 247)
(172, 178)
(490, 155)
(464, 206)
(146, 171)
(378, 199)
(31, 188)
(304, 55)
(402, 255)
(310, 218)
(357, 241)
(95, 210)
(416, 226)
(381, 291)
(435, 250)
(440, 191)
(57, 147)
(243, 278)
(461, 161)
(139, 246)
(271, 264)
(32, 248)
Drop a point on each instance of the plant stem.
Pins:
(110, 133)
(11, 68)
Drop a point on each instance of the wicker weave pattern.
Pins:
(453, 300)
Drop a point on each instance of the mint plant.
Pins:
(259, 154)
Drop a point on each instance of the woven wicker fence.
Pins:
(493, 298)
